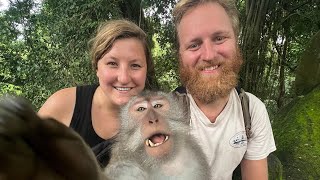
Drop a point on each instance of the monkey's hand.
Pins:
(33, 148)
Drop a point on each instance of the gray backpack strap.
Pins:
(245, 109)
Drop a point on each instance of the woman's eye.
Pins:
(113, 64)
(157, 106)
(136, 66)
(141, 109)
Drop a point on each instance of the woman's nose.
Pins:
(124, 76)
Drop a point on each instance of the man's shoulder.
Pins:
(254, 100)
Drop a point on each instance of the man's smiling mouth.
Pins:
(210, 68)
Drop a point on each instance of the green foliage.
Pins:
(273, 49)
(166, 65)
(9, 89)
(297, 135)
(158, 13)
(44, 47)
(308, 71)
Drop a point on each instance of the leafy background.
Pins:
(44, 44)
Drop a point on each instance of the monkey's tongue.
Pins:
(156, 140)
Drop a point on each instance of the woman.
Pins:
(121, 58)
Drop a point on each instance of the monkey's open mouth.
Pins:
(156, 140)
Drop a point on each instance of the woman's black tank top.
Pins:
(81, 122)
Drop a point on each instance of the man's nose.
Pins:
(208, 51)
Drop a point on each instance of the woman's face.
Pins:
(122, 71)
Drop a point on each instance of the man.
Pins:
(210, 61)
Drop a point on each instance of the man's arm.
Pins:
(254, 169)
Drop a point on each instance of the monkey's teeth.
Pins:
(151, 144)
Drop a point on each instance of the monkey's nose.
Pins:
(152, 117)
(151, 121)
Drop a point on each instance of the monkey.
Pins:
(153, 143)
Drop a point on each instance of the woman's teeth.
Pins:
(122, 88)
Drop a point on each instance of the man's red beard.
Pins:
(208, 88)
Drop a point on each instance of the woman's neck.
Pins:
(105, 115)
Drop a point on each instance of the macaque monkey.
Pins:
(153, 143)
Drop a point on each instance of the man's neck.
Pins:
(213, 109)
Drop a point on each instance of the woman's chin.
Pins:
(122, 100)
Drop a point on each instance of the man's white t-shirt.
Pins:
(224, 142)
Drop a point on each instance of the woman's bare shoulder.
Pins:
(60, 105)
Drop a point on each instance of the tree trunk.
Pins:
(251, 44)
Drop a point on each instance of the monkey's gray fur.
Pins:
(185, 160)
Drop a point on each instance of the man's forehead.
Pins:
(203, 20)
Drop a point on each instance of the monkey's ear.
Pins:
(180, 105)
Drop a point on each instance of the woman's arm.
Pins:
(60, 106)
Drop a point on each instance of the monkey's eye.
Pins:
(141, 109)
(157, 106)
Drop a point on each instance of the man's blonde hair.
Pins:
(183, 6)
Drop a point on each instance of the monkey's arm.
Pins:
(32, 148)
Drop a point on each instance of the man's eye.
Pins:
(141, 109)
(193, 46)
(157, 106)
(220, 38)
